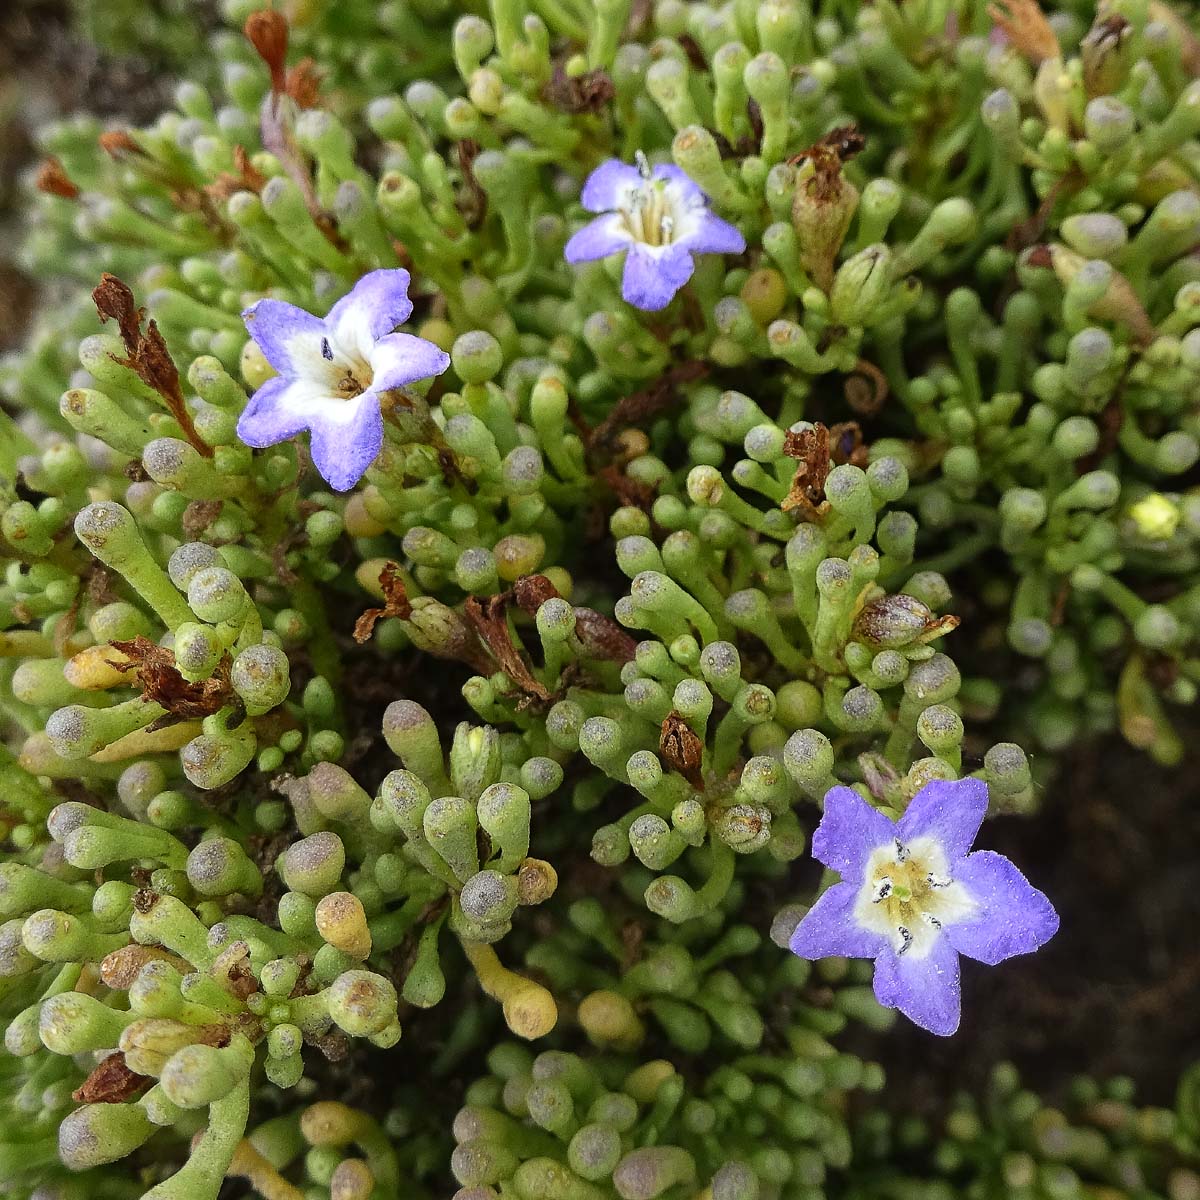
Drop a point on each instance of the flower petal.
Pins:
(849, 831)
(950, 811)
(606, 183)
(926, 990)
(1011, 917)
(598, 239)
(687, 189)
(289, 337)
(830, 930)
(652, 277)
(401, 358)
(346, 438)
(715, 236)
(280, 409)
(376, 304)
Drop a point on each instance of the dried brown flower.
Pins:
(586, 93)
(161, 681)
(146, 353)
(395, 603)
(53, 180)
(111, 1082)
(681, 749)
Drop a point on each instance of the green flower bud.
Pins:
(216, 594)
(860, 285)
(412, 736)
(808, 758)
(474, 759)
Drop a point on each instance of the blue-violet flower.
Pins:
(660, 217)
(913, 898)
(332, 371)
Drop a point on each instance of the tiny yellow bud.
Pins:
(1155, 517)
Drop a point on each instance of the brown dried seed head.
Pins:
(682, 749)
(52, 179)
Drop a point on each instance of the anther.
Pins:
(882, 890)
(326, 352)
(901, 851)
(643, 163)
(906, 940)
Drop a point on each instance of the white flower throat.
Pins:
(348, 375)
(651, 211)
(907, 896)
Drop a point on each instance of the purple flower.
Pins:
(332, 371)
(660, 217)
(913, 898)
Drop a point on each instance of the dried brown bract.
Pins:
(681, 749)
(1026, 27)
(489, 619)
(111, 1082)
(532, 591)
(395, 603)
(146, 353)
(53, 180)
(303, 83)
(601, 637)
(586, 93)
(247, 179)
(161, 681)
(817, 449)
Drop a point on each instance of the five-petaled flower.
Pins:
(913, 898)
(332, 371)
(660, 217)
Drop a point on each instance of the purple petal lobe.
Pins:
(280, 409)
(849, 831)
(1012, 917)
(401, 358)
(606, 183)
(926, 990)
(653, 276)
(829, 929)
(950, 811)
(714, 236)
(289, 337)
(376, 304)
(685, 187)
(598, 239)
(346, 438)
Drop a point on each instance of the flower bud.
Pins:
(449, 825)
(649, 1171)
(196, 1075)
(860, 285)
(488, 901)
(474, 759)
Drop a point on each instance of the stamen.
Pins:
(882, 891)
(666, 225)
(928, 916)
(906, 940)
(901, 851)
(938, 881)
(643, 163)
(326, 352)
